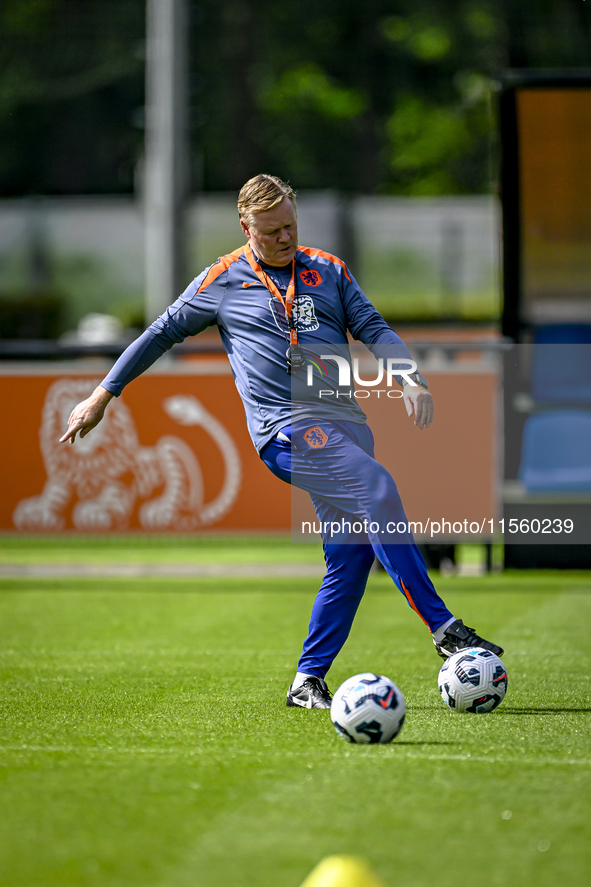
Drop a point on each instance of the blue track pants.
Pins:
(335, 463)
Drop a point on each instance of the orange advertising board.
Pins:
(173, 455)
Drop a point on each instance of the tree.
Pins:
(71, 79)
(386, 96)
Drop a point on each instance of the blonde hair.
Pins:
(261, 193)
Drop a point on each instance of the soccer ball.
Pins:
(368, 708)
(473, 680)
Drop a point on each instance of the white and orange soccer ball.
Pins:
(473, 680)
(368, 708)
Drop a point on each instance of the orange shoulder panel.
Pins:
(220, 266)
(320, 252)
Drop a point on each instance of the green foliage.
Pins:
(366, 97)
(306, 88)
(428, 42)
(429, 143)
(426, 138)
(70, 77)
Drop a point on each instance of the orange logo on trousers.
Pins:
(315, 437)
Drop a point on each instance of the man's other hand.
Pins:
(419, 403)
(87, 414)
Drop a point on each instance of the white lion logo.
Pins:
(303, 314)
(108, 470)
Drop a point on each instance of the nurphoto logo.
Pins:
(395, 369)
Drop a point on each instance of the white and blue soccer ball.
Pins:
(368, 708)
(473, 680)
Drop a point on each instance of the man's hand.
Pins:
(419, 402)
(87, 414)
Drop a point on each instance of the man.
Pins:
(279, 306)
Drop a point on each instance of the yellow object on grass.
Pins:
(342, 871)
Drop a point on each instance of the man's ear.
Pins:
(245, 228)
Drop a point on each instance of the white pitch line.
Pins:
(71, 749)
(486, 759)
(57, 571)
(468, 758)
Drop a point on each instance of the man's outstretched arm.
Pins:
(141, 354)
(87, 414)
(186, 317)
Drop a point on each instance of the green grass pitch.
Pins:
(144, 738)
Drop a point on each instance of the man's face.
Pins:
(274, 234)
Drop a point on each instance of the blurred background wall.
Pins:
(416, 258)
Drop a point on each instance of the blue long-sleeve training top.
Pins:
(234, 294)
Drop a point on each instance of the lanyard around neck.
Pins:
(289, 299)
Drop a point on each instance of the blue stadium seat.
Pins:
(556, 452)
(561, 366)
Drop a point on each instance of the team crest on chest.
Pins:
(304, 315)
(311, 277)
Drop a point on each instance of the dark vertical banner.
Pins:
(554, 139)
(546, 194)
(546, 201)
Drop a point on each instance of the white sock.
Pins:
(440, 633)
(299, 679)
